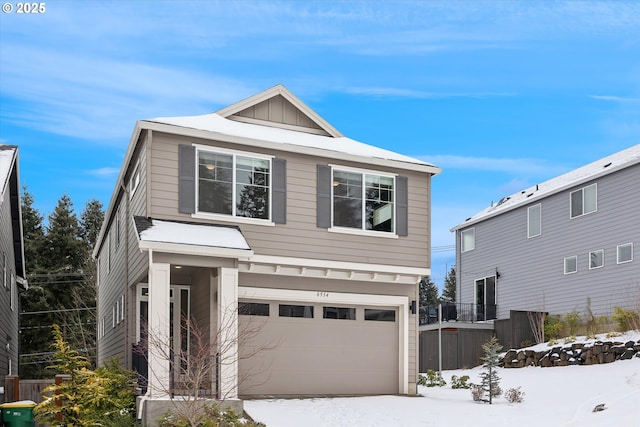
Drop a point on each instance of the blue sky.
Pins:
(500, 94)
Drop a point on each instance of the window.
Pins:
(347, 313)
(625, 253)
(233, 184)
(135, 180)
(584, 201)
(12, 297)
(571, 264)
(363, 201)
(534, 220)
(253, 309)
(287, 310)
(117, 227)
(596, 259)
(121, 308)
(113, 316)
(4, 269)
(468, 239)
(379, 315)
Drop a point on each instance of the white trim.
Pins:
(235, 219)
(362, 170)
(401, 302)
(361, 232)
(186, 249)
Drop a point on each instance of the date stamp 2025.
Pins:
(24, 8)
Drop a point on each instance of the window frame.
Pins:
(134, 180)
(342, 313)
(308, 311)
(471, 231)
(583, 211)
(539, 220)
(234, 154)
(591, 254)
(379, 315)
(575, 258)
(363, 199)
(629, 245)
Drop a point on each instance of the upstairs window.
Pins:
(468, 239)
(134, 181)
(571, 264)
(625, 253)
(363, 201)
(234, 184)
(534, 221)
(584, 201)
(596, 259)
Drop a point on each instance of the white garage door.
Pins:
(291, 348)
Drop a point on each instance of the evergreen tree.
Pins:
(64, 249)
(33, 232)
(449, 289)
(90, 222)
(428, 292)
(491, 360)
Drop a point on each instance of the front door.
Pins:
(486, 298)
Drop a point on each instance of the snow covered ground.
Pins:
(554, 397)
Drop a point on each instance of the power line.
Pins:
(64, 310)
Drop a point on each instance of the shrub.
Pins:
(553, 326)
(461, 382)
(212, 416)
(477, 393)
(573, 321)
(569, 340)
(432, 379)
(626, 319)
(514, 395)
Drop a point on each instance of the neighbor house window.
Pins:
(596, 259)
(287, 310)
(363, 201)
(347, 313)
(584, 201)
(534, 220)
(379, 315)
(571, 264)
(625, 253)
(11, 294)
(468, 239)
(234, 184)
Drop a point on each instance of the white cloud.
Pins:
(615, 98)
(105, 172)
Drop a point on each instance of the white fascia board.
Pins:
(177, 248)
(310, 151)
(340, 265)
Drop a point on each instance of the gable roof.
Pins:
(605, 166)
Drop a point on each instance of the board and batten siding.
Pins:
(532, 269)
(299, 236)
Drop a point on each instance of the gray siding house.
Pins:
(12, 267)
(558, 246)
(297, 252)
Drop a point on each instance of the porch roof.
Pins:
(185, 237)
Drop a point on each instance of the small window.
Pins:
(4, 269)
(596, 259)
(468, 239)
(135, 180)
(253, 309)
(113, 316)
(11, 294)
(287, 310)
(534, 220)
(625, 253)
(571, 264)
(379, 315)
(584, 201)
(121, 308)
(117, 226)
(346, 313)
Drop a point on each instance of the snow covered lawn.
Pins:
(554, 397)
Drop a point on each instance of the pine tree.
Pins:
(490, 379)
(428, 292)
(64, 249)
(449, 290)
(33, 232)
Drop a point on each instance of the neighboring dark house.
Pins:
(12, 268)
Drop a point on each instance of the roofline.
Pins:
(312, 151)
(279, 89)
(543, 196)
(14, 167)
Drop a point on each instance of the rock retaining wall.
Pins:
(573, 354)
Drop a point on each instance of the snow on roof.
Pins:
(604, 166)
(215, 123)
(210, 235)
(7, 154)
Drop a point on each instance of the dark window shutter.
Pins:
(324, 197)
(279, 191)
(186, 179)
(402, 206)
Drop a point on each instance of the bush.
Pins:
(514, 395)
(461, 382)
(213, 416)
(626, 319)
(477, 393)
(553, 327)
(573, 321)
(432, 379)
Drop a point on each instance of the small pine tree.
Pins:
(428, 292)
(449, 290)
(490, 379)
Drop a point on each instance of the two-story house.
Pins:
(12, 266)
(295, 249)
(569, 243)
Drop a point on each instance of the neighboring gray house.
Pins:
(264, 209)
(12, 269)
(556, 245)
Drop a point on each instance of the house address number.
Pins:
(322, 294)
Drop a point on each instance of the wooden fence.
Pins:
(16, 389)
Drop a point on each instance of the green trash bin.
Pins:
(18, 414)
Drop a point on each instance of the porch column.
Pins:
(227, 310)
(159, 334)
